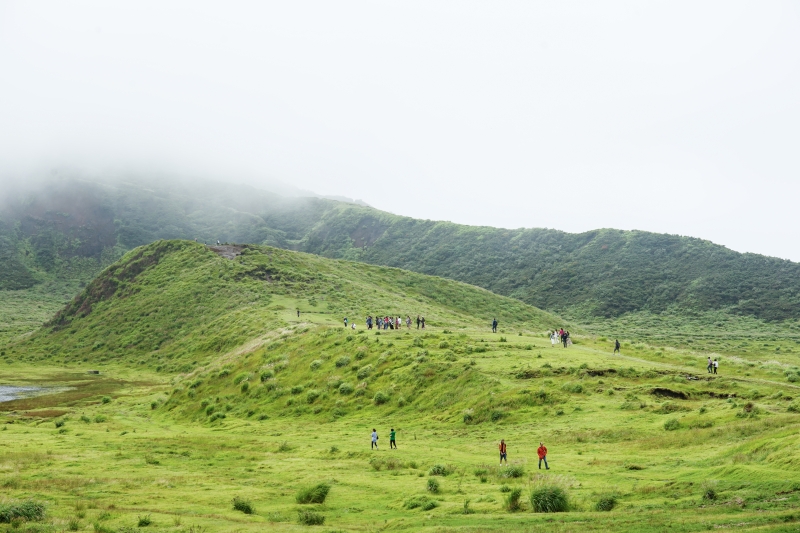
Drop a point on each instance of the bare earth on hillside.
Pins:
(227, 251)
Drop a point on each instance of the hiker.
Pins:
(494, 325)
(408, 321)
(345, 321)
(298, 313)
(616, 346)
(423, 322)
(542, 453)
(716, 365)
(569, 340)
(503, 456)
(374, 439)
(353, 325)
(392, 442)
(369, 322)
(399, 322)
(553, 339)
(418, 321)
(710, 365)
(386, 323)
(217, 242)
(564, 338)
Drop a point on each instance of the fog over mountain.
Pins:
(671, 117)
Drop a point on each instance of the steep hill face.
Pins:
(73, 229)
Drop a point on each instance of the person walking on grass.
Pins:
(418, 321)
(503, 456)
(710, 365)
(345, 321)
(408, 321)
(542, 453)
(423, 322)
(374, 439)
(392, 442)
(716, 365)
(616, 345)
(494, 325)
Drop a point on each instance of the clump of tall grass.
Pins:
(28, 510)
(240, 504)
(433, 486)
(549, 499)
(672, 424)
(606, 503)
(315, 494)
(420, 502)
(511, 502)
(511, 471)
(440, 470)
(144, 521)
(310, 518)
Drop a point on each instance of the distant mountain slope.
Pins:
(73, 228)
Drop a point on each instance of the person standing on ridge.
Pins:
(542, 453)
(418, 321)
(616, 345)
(716, 365)
(345, 321)
(392, 442)
(503, 456)
(710, 365)
(408, 321)
(374, 439)
(423, 322)
(494, 325)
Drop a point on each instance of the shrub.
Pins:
(311, 396)
(511, 502)
(512, 471)
(86, 419)
(28, 510)
(439, 470)
(297, 389)
(433, 486)
(420, 502)
(245, 387)
(346, 388)
(468, 416)
(240, 378)
(100, 418)
(364, 371)
(315, 494)
(240, 504)
(606, 503)
(106, 399)
(310, 518)
(793, 407)
(266, 375)
(549, 499)
(505, 488)
(381, 398)
(315, 364)
(575, 388)
(144, 521)
(342, 361)
(710, 494)
(496, 415)
(444, 344)
(60, 423)
(672, 424)
(73, 524)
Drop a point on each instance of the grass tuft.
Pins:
(315, 494)
(549, 499)
(310, 518)
(240, 504)
(28, 510)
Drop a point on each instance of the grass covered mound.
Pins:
(28, 510)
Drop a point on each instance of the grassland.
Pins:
(238, 397)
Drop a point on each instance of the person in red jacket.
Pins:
(503, 451)
(542, 452)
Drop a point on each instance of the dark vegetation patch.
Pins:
(28, 510)
(669, 393)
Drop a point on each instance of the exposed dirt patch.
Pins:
(600, 372)
(669, 393)
(228, 251)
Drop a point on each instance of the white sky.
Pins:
(677, 117)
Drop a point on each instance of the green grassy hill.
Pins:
(217, 407)
(66, 232)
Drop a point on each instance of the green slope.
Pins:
(71, 229)
(212, 387)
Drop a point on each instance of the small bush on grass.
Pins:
(549, 499)
(310, 518)
(29, 510)
(606, 503)
(710, 494)
(439, 470)
(512, 471)
(315, 494)
(60, 423)
(512, 503)
(311, 396)
(433, 486)
(285, 447)
(346, 388)
(240, 504)
(466, 509)
(73, 524)
(144, 521)
(342, 361)
(672, 424)
(100, 528)
(381, 398)
(505, 488)
(420, 502)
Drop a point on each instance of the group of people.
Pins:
(390, 322)
(560, 336)
(541, 452)
(712, 365)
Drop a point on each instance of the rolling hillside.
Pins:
(217, 407)
(71, 229)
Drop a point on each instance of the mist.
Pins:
(670, 117)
